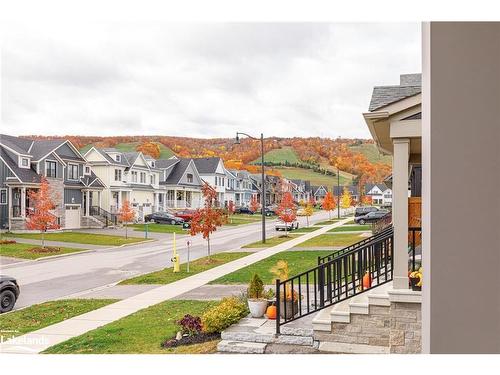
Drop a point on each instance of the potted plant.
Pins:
(257, 302)
(289, 301)
(416, 278)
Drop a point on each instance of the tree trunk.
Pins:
(307, 221)
(43, 239)
(208, 247)
(126, 231)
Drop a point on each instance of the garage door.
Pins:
(72, 218)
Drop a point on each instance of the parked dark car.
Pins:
(371, 217)
(361, 211)
(163, 218)
(244, 210)
(186, 215)
(9, 292)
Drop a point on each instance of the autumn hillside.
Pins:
(314, 159)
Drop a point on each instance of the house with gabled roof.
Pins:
(180, 182)
(128, 176)
(319, 192)
(75, 187)
(380, 193)
(243, 188)
(213, 172)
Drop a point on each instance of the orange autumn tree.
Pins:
(329, 203)
(308, 210)
(41, 218)
(206, 220)
(126, 215)
(254, 203)
(287, 212)
(149, 148)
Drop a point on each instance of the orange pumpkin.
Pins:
(367, 280)
(271, 312)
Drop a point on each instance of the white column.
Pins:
(175, 198)
(119, 204)
(99, 195)
(400, 211)
(87, 203)
(23, 202)
(10, 207)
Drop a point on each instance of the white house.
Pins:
(381, 194)
(212, 171)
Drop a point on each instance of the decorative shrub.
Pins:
(6, 242)
(228, 311)
(190, 325)
(256, 287)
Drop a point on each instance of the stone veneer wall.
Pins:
(56, 187)
(406, 328)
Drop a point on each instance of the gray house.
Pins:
(75, 187)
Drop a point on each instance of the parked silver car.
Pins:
(281, 225)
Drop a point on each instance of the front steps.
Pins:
(360, 325)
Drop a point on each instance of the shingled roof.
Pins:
(24, 174)
(410, 85)
(206, 165)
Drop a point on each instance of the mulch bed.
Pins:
(189, 340)
(45, 250)
(7, 242)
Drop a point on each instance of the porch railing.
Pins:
(336, 280)
(414, 247)
(107, 217)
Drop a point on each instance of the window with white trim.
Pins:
(87, 169)
(118, 174)
(72, 171)
(152, 179)
(3, 196)
(134, 176)
(118, 157)
(189, 177)
(50, 168)
(25, 162)
(143, 177)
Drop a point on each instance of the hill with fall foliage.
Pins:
(306, 158)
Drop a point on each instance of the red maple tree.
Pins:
(41, 218)
(254, 203)
(287, 211)
(329, 203)
(230, 208)
(206, 220)
(126, 215)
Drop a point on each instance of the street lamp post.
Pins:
(263, 185)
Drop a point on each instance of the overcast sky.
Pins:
(200, 80)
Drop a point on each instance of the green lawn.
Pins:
(45, 314)
(328, 222)
(346, 228)
(166, 275)
(273, 241)
(139, 333)
(159, 228)
(22, 250)
(298, 261)
(334, 240)
(306, 229)
(315, 177)
(372, 153)
(240, 219)
(78, 237)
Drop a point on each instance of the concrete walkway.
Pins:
(37, 341)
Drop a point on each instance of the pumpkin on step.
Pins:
(367, 280)
(271, 312)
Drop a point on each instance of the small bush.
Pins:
(190, 325)
(228, 311)
(256, 287)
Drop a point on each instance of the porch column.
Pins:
(23, 202)
(175, 198)
(119, 203)
(99, 197)
(87, 203)
(400, 211)
(10, 207)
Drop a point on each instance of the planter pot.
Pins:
(257, 307)
(413, 282)
(289, 305)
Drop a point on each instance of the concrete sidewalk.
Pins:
(44, 338)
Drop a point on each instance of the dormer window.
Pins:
(24, 162)
(152, 164)
(87, 170)
(118, 158)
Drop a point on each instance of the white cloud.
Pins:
(205, 80)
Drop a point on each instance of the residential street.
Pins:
(50, 279)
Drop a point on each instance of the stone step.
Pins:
(345, 348)
(266, 338)
(242, 347)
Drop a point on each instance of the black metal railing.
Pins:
(336, 280)
(354, 246)
(414, 247)
(107, 217)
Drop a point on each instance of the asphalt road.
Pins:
(68, 276)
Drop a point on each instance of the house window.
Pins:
(152, 179)
(25, 162)
(87, 169)
(143, 178)
(118, 174)
(153, 164)
(118, 158)
(72, 172)
(134, 176)
(189, 177)
(51, 169)
(3, 196)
